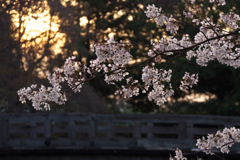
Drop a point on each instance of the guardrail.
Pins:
(121, 131)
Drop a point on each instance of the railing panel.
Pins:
(112, 130)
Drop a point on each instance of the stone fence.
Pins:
(107, 131)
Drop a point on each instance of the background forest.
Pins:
(36, 36)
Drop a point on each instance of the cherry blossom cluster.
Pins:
(111, 51)
(152, 78)
(188, 80)
(128, 91)
(42, 97)
(179, 155)
(220, 2)
(211, 48)
(157, 78)
(193, 12)
(157, 14)
(187, 14)
(160, 18)
(222, 140)
(231, 19)
(167, 46)
(115, 55)
(223, 49)
(71, 73)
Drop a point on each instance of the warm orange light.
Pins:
(198, 97)
(39, 30)
(83, 21)
(130, 17)
(111, 34)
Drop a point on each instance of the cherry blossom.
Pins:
(156, 14)
(179, 155)
(220, 2)
(222, 140)
(188, 81)
(230, 19)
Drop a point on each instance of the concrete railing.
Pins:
(122, 131)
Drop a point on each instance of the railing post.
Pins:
(150, 134)
(71, 133)
(4, 128)
(32, 133)
(189, 131)
(110, 125)
(182, 130)
(92, 128)
(137, 129)
(48, 128)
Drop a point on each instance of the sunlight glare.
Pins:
(35, 29)
(198, 97)
(130, 17)
(71, 2)
(111, 34)
(83, 21)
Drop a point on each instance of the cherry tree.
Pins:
(212, 42)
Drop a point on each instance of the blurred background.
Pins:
(36, 36)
